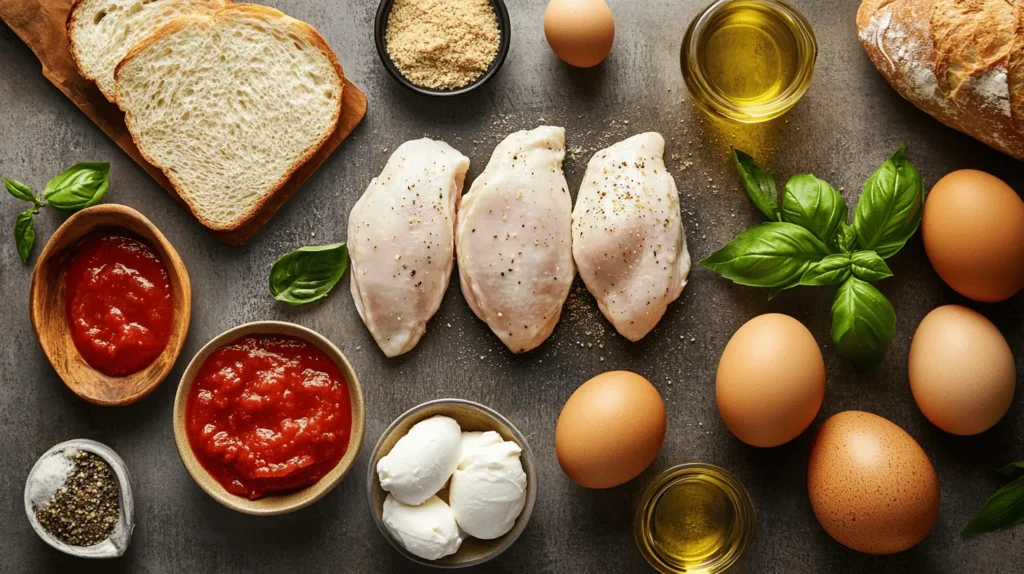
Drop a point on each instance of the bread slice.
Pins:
(230, 105)
(102, 32)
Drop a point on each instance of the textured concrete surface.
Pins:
(849, 122)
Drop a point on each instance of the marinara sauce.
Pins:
(119, 303)
(268, 415)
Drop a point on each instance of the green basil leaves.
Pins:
(25, 234)
(80, 186)
(863, 322)
(308, 274)
(1004, 509)
(808, 242)
(889, 211)
(760, 185)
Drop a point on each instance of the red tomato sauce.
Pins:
(118, 301)
(268, 415)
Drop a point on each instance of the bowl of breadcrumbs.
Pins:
(442, 47)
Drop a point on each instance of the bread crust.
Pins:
(961, 61)
(271, 16)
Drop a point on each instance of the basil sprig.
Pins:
(308, 273)
(80, 186)
(808, 242)
(1003, 509)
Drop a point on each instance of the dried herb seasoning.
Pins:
(85, 510)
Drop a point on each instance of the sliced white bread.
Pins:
(102, 32)
(230, 105)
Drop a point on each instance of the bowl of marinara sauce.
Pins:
(268, 417)
(110, 303)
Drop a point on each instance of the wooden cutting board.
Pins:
(41, 25)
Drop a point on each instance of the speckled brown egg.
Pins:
(610, 430)
(871, 485)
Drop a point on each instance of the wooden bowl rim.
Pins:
(180, 283)
(273, 504)
(422, 412)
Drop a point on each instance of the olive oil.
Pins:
(694, 518)
(749, 60)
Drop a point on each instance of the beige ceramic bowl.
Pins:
(471, 417)
(274, 504)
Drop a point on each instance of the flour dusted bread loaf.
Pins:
(102, 32)
(962, 61)
(229, 105)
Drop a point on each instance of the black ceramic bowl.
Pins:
(380, 28)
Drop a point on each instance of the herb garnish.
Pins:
(807, 242)
(1003, 509)
(308, 273)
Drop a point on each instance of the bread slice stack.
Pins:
(228, 100)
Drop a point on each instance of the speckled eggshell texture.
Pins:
(871, 485)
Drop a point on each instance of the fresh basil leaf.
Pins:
(863, 322)
(21, 191)
(25, 234)
(80, 186)
(1004, 509)
(889, 211)
(308, 274)
(760, 185)
(1013, 469)
(845, 239)
(869, 266)
(832, 270)
(772, 254)
(814, 204)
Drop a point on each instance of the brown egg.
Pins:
(973, 230)
(581, 32)
(871, 485)
(610, 430)
(771, 381)
(961, 370)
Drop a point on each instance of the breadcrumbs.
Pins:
(442, 44)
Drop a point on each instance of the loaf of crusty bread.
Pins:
(962, 61)
(101, 32)
(229, 105)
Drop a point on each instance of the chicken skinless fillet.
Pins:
(627, 234)
(514, 239)
(401, 239)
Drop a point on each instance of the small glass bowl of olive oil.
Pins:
(694, 518)
(749, 60)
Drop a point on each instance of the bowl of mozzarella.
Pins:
(451, 484)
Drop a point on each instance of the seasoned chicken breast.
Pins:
(401, 237)
(627, 234)
(514, 239)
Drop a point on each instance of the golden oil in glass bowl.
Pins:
(748, 60)
(694, 518)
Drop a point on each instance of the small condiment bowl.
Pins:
(118, 542)
(280, 503)
(380, 34)
(49, 315)
(471, 417)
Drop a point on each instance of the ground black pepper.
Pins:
(85, 510)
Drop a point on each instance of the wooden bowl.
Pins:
(471, 417)
(49, 315)
(273, 504)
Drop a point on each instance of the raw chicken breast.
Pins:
(514, 239)
(627, 234)
(401, 238)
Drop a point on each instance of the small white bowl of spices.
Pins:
(78, 498)
(442, 47)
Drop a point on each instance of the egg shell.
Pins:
(973, 231)
(961, 370)
(771, 381)
(610, 430)
(871, 485)
(581, 32)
